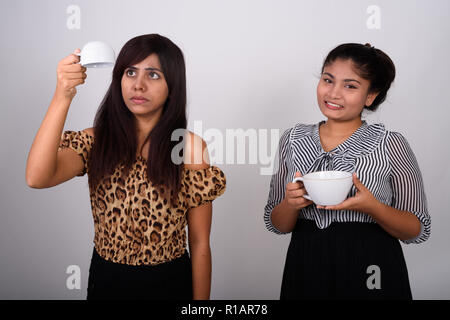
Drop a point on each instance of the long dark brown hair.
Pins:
(115, 127)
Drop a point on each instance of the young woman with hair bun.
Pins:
(351, 250)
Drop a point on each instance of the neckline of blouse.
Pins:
(344, 145)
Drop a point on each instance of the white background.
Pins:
(250, 65)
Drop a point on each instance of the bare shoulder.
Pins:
(89, 131)
(196, 154)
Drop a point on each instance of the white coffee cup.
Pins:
(96, 54)
(327, 188)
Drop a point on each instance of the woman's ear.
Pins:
(370, 98)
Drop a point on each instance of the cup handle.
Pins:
(301, 179)
(79, 54)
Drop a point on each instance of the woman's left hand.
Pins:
(363, 201)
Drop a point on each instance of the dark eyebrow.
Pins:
(152, 69)
(345, 80)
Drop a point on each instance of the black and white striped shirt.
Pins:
(382, 160)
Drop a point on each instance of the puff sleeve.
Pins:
(203, 185)
(80, 142)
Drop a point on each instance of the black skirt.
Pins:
(347, 260)
(166, 281)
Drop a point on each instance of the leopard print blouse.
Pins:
(133, 224)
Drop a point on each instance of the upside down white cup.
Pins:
(326, 188)
(96, 54)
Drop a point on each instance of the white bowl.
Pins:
(327, 188)
(97, 54)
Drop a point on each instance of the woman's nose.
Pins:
(335, 92)
(139, 84)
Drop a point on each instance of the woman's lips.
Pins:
(333, 106)
(139, 100)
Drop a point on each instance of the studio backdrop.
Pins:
(252, 72)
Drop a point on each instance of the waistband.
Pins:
(99, 261)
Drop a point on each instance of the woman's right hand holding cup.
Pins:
(294, 194)
(69, 75)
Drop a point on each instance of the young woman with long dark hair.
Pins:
(141, 198)
(351, 250)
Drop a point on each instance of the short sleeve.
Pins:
(203, 185)
(278, 182)
(81, 143)
(407, 184)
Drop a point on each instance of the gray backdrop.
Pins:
(250, 64)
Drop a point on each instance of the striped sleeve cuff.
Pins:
(425, 229)
(268, 219)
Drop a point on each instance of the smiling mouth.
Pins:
(333, 105)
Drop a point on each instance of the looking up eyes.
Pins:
(152, 74)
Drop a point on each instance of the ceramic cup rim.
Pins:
(349, 175)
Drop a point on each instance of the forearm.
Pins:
(402, 225)
(284, 217)
(201, 271)
(41, 163)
